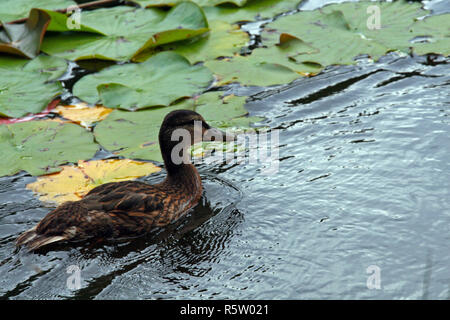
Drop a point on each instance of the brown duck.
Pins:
(131, 209)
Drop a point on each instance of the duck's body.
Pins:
(116, 210)
(124, 209)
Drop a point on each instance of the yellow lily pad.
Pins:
(73, 182)
(83, 114)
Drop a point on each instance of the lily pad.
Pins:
(437, 37)
(25, 39)
(60, 22)
(158, 81)
(250, 72)
(286, 53)
(223, 40)
(159, 3)
(16, 9)
(51, 67)
(134, 135)
(126, 31)
(253, 9)
(233, 10)
(73, 182)
(339, 32)
(83, 114)
(25, 85)
(39, 147)
(306, 42)
(219, 110)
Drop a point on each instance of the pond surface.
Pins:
(363, 184)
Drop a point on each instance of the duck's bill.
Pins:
(214, 134)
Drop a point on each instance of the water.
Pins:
(364, 180)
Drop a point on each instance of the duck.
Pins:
(130, 209)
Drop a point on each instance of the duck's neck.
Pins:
(185, 178)
(184, 175)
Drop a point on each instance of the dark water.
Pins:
(364, 180)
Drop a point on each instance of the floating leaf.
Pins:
(253, 9)
(25, 86)
(308, 41)
(267, 66)
(73, 182)
(340, 46)
(83, 114)
(250, 72)
(51, 67)
(33, 116)
(205, 149)
(339, 32)
(127, 31)
(437, 36)
(243, 10)
(220, 111)
(16, 9)
(286, 53)
(132, 135)
(68, 22)
(401, 21)
(158, 3)
(39, 147)
(135, 134)
(158, 81)
(223, 40)
(25, 39)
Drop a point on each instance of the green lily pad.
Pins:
(250, 72)
(52, 67)
(25, 39)
(60, 22)
(16, 9)
(135, 134)
(127, 31)
(233, 10)
(25, 85)
(39, 147)
(158, 81)
(224, 40)
(253, 9)
(339, 32)
(286, 53)
(437, 36)
(401, 21)
(159, 3)
(220, 111)
(267, 66)
(306, 42)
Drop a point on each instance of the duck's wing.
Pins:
(108, 211)
(118, 187)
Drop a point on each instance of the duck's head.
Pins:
(182, 128)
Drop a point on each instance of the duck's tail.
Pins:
(34, 241)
